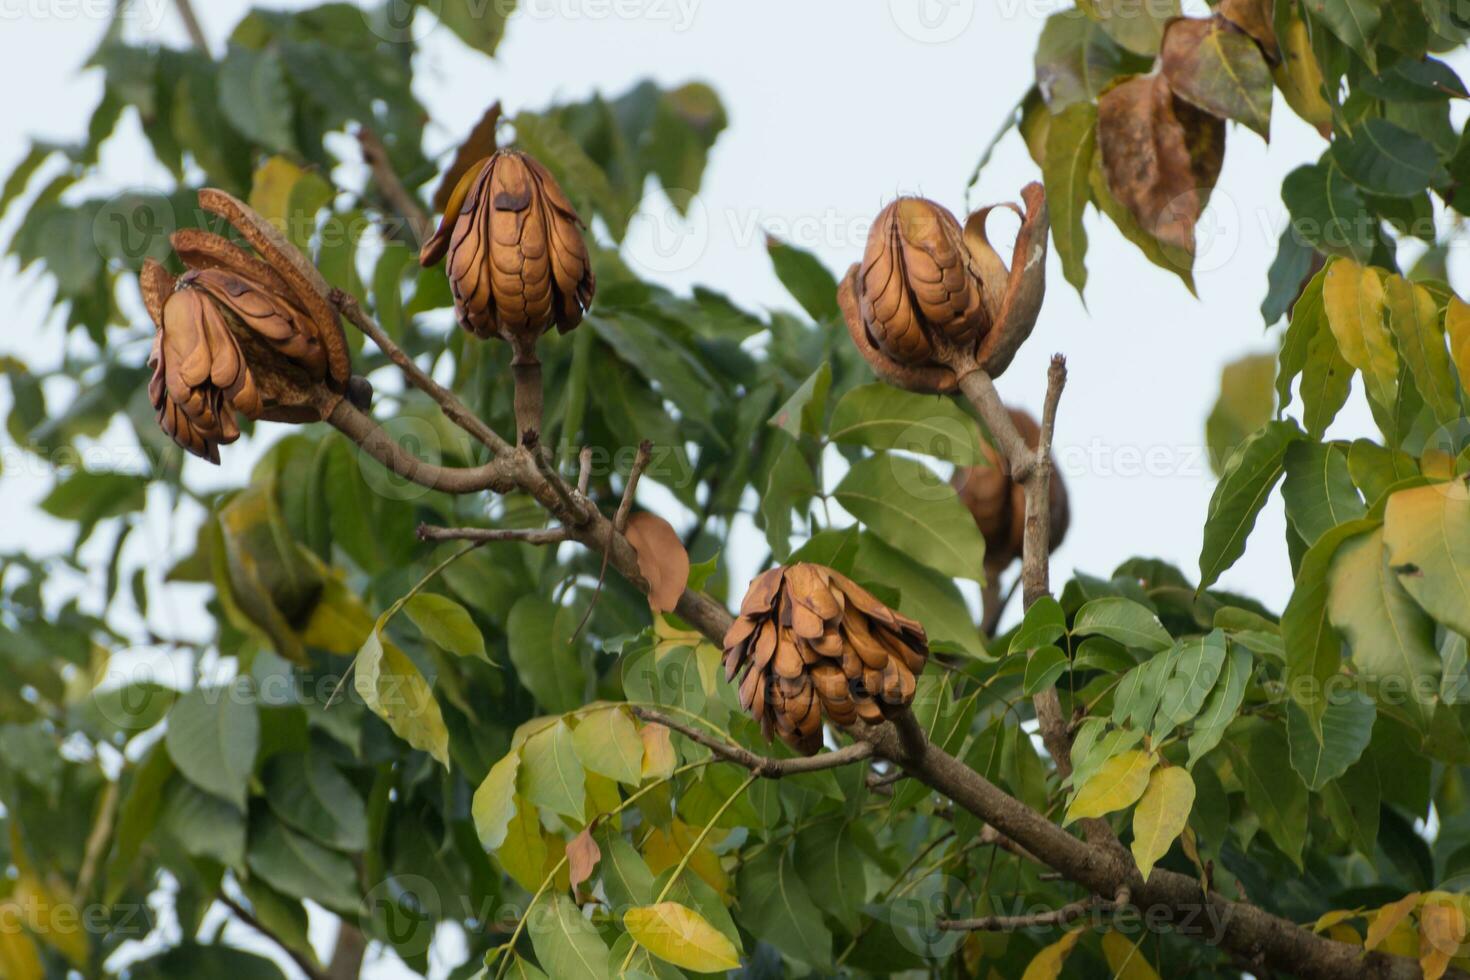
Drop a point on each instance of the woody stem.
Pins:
(527, 374)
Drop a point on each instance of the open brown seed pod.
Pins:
(517, 264)
(932, 301)
(810, 640)
(998, 503)
(239, 332)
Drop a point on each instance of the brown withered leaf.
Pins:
(1215, 67)
(476, 147)
(662, 560)
(998, 503)
(1160, 155)
(1256, 18)
(582, 857)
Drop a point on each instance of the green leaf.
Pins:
(1391, 637)
(1427, 532)
(1318, 489)
(1326, 382)
(881, 416)
(1248, 479)
(1245, 404)
(204, 825)
(1355, 22)
(1219, 70)
(1196, 668)
(446, 624)
(927, 596)
(1273, 791)
(494, 804)
(681, 936)
(806, 279)
(1221, 706)
(806, 409)
(1043, 667)
(295, 866)
(551, 775)
(1116, 785)
(1323, 751)
(608, 744)
(831, 866)
(539, 635)
(775, 905)
(1306, 321)
(1123, 620)
(566, 943)
(1137, 27)
(309, 794)
(213, 734)
(1045, 622)
(1388, 160)
(393, 689)
(1313, 648)
(1328, 211)
(1285, 279)
(192, 959)
(911, 508)
(1076, 59)
(255, 99)
(1413, 315)
(625, 875)
(480, 25)
(1161, 815)
(1071, 138)
(89, 497)
(790, 486)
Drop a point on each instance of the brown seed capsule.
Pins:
(811, 640)
(998, 503)
(931, 302)
(517, 264)
(239, 333)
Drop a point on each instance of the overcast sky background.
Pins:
(835, 107)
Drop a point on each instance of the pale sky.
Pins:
(835, 107)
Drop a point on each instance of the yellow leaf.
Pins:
(19, 958)
(658, 752)
(1386, 918)
(1344, 933)
(1118, 783)
(1457, 325)
(1125, 959)
(1354, 301)
(1298, 76)
(270, 189)
(1161, 815)
(1441, 932)
(1047, 964)
(55, 921)
(665, 849)
(681, 936)
(1329, 919)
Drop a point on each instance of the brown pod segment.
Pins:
(932, 301)
(810, 640)
(998, 503)
(515, 256)
(239, 332)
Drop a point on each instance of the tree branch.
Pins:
(364, 430)
(529, 535)
(348, 953)
(761, 765)
(399, 198)
(304, 962)
(1068, 913)
(191, 25)
(630, 489)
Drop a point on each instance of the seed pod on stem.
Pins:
(809, 640)
(931, 302)
(516, 261)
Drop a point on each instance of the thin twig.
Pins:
(420, 225)
(246, 916)
(760, 765)
(1064, 915)
(645, 453)
(527, 535)
(453, 408)
(191, 25)
(569, 505)
(97, 844)
(584, 470)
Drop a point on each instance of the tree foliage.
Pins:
(503, 735)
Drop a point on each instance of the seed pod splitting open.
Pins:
(516, 260)
(998, 503)
(932, 301)
(809, 640)
(238, 332)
